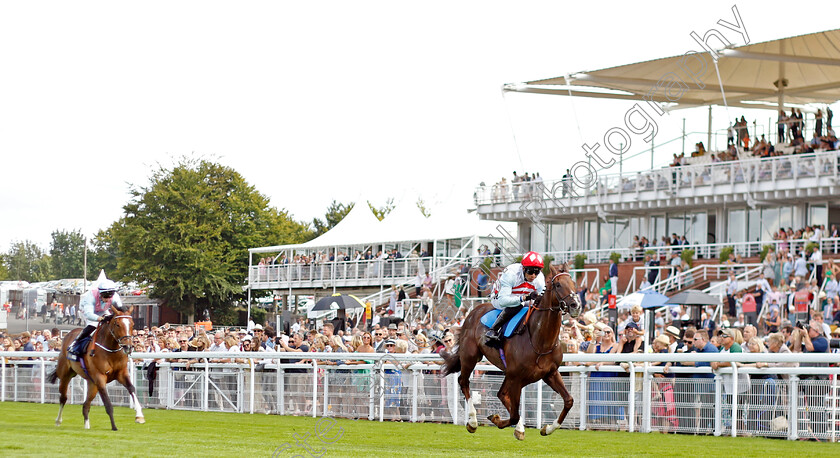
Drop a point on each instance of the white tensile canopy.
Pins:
(405, 223)
(801, 69)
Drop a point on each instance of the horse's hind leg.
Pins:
(468, 361)
(510, 394)
(125, 380)
(555, 381)
(62, 398)
(91, 393)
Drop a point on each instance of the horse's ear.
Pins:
(115, 310)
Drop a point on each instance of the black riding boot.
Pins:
(74, 350)
(507, 313)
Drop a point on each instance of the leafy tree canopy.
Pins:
(27, 261)
(188, 232)
(67, 254)
(335, 213)
(382, 212)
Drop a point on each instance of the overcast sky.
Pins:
(315, 101)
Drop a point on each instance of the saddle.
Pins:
(514, 326)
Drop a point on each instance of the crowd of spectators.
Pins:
(520, 187)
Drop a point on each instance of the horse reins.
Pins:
(117, 339)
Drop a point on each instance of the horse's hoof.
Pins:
(140, 420)
(57, 423)
(471, 428)
(543, 430)
(519, 434)
(494, 419)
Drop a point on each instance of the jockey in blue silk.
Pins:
(95, 304)
(519, 283)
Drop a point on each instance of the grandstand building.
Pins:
(741, 202)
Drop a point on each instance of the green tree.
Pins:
(103, 252)
(335, 213)
(382, 211)
(4, 270)
(28, 262)
(67, 254)
(188, 231)
(423, 209)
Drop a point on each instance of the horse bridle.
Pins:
(125, 348)
(561, 306)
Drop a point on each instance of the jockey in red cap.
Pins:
(519, 282)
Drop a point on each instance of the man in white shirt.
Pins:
(800, 268)
(218, 342)
(731, 289)
(816, 258)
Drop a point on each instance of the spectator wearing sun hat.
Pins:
(672, 333)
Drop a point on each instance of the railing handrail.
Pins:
(432, 357)
(711, 166)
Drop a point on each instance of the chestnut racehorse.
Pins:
(105, 360)
(533, 355)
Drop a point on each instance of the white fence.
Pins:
(792, 403)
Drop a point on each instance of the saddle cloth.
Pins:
(507, 330)
(82, 346)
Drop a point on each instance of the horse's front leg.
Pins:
(106, 400)
(125, 380)
(555, 381)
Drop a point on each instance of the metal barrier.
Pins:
(792, 403)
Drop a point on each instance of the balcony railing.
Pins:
(670, 179)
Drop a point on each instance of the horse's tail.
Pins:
(451, 361)
(53, 377)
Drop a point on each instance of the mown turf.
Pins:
(28, 430)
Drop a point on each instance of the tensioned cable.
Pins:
(512, 130)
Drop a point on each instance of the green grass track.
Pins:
(28, 430)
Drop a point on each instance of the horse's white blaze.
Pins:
(521, 425)
(137, 408)
(550, 428)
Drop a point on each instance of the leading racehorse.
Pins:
(105, 360)
(533, 355)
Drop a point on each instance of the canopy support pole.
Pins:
(709, 135)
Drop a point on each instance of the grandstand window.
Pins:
(785, 217)
(754, 224)
(697, 229)
(591, 233)
(769, 223)
(658, 226)
(539, 237)
(676, 224)
(817, 214)
(562, 237)
(737, 226)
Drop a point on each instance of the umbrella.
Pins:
(693, 297)
(646, 298)
(337, 302)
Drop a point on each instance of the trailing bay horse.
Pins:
(105, 360)
(534, 354)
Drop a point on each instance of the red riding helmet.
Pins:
(532, 259)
